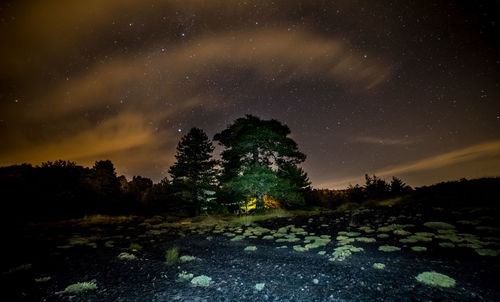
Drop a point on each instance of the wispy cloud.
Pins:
(386, 141)
(487, 150)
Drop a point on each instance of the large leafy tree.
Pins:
(193, 174)
(260, 159)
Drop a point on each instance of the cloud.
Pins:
(487, 150)
(122, 132)
(386, 141)
(179, 74)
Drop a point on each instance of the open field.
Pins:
(366, 254)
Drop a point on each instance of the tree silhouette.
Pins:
(252, 147)
(193, 174)
(398, 187)
(375, 187)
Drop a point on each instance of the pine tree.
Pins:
(193, 174)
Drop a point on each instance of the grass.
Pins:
(269, 214)
(172, 255)
(104, 219)
(435, 279)
(80, 287)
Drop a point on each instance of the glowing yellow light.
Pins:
(251, 204)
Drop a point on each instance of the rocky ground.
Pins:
(369, 254)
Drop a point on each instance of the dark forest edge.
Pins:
(259, 169)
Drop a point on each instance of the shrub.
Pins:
(250, 248)
(172, 255)
(126, 256)
(378, 265)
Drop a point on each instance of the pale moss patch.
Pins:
(250, 248)
(186, 258)
(487, 252)
(365, 239)
(383, 236)
(378, 265)
(342, 252)
(20, 268)
(388, 248)
(126, 256)
(418, 248)
(489, 229)
(316, 242)
(469, 222)
(392, 227)
(446, 244)
(401, 232)
(80, 287)
(439, 225)
(260, 286)
(435, 279)
(299, 248)
(366, 229)
(42, 279)
(344, 240)
(203, 281)
(185, 275)
(135, 247)
(349, 234)
(238, 238)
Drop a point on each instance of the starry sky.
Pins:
(406, 88)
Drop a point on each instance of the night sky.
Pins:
(405, 88)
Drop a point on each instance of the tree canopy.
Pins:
(260, 159)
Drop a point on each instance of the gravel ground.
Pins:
(42, 261)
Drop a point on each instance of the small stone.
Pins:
(315, 281)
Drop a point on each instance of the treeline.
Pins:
(482, 192)
(259, 168)
(375, 188)
(259, 162)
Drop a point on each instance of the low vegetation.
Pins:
(80, 287)
(435, 279)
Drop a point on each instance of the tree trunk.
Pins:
(259, 203)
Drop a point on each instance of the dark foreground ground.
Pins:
(41, 262)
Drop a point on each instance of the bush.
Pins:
(172, 255)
